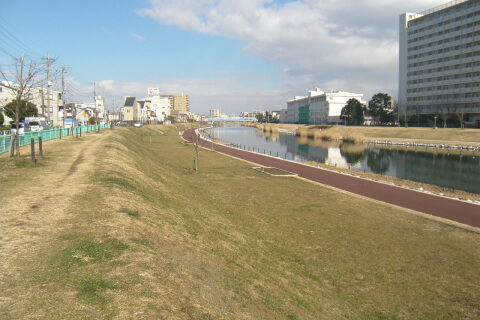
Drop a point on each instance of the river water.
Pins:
(447, 170)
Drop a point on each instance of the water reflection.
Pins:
(444, 170)
(378, 160)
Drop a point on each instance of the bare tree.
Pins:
(460, 113)
(196, 150)
(397, 111)
(20, 81)
(444, 114)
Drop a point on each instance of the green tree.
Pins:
(353, 112)
(2, 119)
(260, 117)
(380, 108)
(25, 109)
(91, 120)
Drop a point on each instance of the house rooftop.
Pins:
(129, 102)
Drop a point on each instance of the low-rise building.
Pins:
(49, 103)
(130, 109)
(319, 107)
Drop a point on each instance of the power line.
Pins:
(26, 47)
(14, 43)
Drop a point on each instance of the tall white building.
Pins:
(214, 113)
(319, 107)
(439, 60)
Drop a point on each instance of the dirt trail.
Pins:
(33, 207)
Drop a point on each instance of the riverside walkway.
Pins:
(455, 210)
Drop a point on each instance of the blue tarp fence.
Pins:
(26, 138)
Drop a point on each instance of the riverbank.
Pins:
(439, 136)
(118, 225)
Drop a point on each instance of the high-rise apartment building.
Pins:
(178, 102)
(439, 60)
(214, 113)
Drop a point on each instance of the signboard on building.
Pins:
(33, 119)
(153, 91)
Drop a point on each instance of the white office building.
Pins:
(319, 107)
(439, 60)
(159, 108)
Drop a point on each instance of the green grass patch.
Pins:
(91, 290)
(142, 241)
(70, 236)
(112, 179)
(131, 213)
(309, 208)
(85, 251)
(26, 163)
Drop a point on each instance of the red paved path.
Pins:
(459, 211)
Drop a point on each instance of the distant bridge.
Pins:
(232, 119)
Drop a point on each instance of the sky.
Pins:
(232, 55)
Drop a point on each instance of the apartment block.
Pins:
(178, 102)
(439, 60)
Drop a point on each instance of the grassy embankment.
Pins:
(147, 237)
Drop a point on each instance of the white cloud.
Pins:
(352, 43)
(138, 37)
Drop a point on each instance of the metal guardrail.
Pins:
(26, 138)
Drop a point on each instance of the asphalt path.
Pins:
(447, 208)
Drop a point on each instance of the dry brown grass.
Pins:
(440, 134)
(361, 133)
(134, 232)
(301, 132)
(353, 136)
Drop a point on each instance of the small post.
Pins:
(40, 146)
(12, 144)
(60, 133)
(32, 144)
(80, 131)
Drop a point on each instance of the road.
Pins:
(447, 208)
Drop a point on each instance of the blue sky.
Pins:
(232, 55)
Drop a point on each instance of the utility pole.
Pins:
(95, 102)
(63, 96)
(48, 86)
(114, 111)
(43, 100)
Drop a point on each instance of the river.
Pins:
(441, 168)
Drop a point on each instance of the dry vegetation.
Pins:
(359, 134)
(113, 226)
